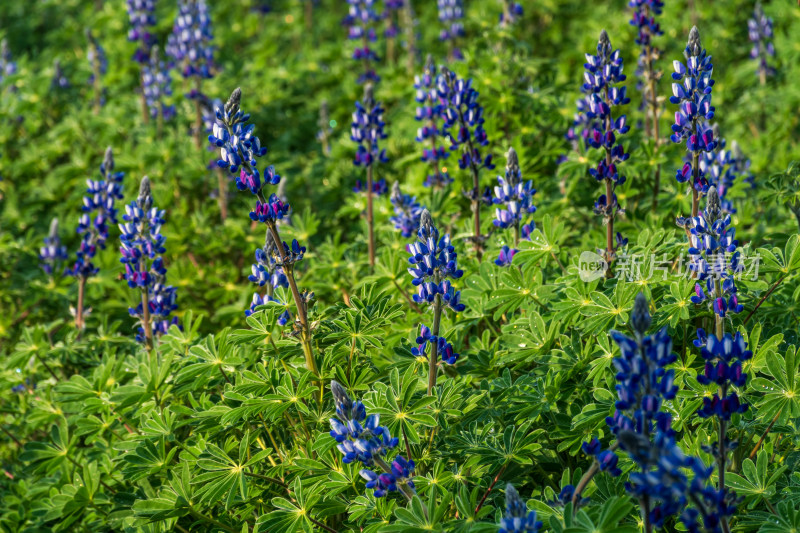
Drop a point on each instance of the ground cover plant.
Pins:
(394, 265)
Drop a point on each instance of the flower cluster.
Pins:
(98, 212)
(644, 19)
(517, 518)
(714, 257)
(515, 195)
(643, 426)
(512, 11)
(390, 14)
(582, 125)
(692, 91)
(443, 349)
(361, 438)
(141, 247)
(157, 84)
(141, 14)
(430, 113)
(724, 358)
(52, 253)
(360, 22)
(239, 148)
(433, 261)
(464, 114)
(268, 270)
(366, 129)
(407, 211)
(722, 166)
(7, 65)
(759, 29)
(603, 72)
(189, 45)
(450, 14)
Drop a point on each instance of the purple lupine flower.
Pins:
(53, 253)
(360, 22)
(430, 112)
(157, 85)
(141, 14)
(433, 260)
(451, 12)
(643, 425)
(714, 259)
(512, 11)
(759, 29)
(360, 437)
(517, 518)
(141, 247)
(692, 92)
(7, 65)
(367, 129)
(407, 211)
(444, 350)
(99, 212)
(390, 14)
(189, 45)
(515, 195)
(644, 19)
(59, 80)
(379, 187)
(506, 256)
(721, 168)
(602, 76)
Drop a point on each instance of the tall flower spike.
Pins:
(142, 246)
(52, 254)
(141, 14)
(189, 45)
(517, 518)
(407, 211)
(464, 114)
(430, 113)
(516, 197)
(602, 78)
(361, 438)
(451, 12)
(361, 21)
(759, 30)
(691, 90)
(157, 86)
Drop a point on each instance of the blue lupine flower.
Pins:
(284, 318)
(391, 9)
(59, 80)
(450, 14)
(157, 84)
(407, 211)
(714, 258)
(444, 349)
(266, 269)
(7, 66)
(430, 112)
(694, 97)
(512, 11)
(366, 129)
(517, 518)
(514, 194)
(239, 148)
(98, 212)
(759, 29)
(361, 438)
(724, 358)
(434, 259)
(141, 247)
(379, 187)
(603, 73)
(52, 253)
(360, 22)
(644, 19)
(141, 14)
(505, 257)
(189, 45)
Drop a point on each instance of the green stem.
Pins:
(433, 359)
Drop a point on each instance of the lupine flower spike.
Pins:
(98, 63)
(602, 78)
(141, 247)
(643, 425)
(691, 89)
(512, 11)
(239, 149)
(407, 211)
(98, 212)
(433, 260)
(517, 518)
(190, 48)
(53, 253)
(367, 130)
(759, 29)
(451, 12)
(362, 439)
(360, 22)
(157, 86)
(644, 19)
(391, 15)
(430, 113)
(141, 14)
(516, 199)
(464, 114)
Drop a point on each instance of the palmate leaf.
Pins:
(544, 243)
(206, 359)
(787, 520)
(292, 516)
(147, 459)
(756, 484)
(516, 290)
(784, 262)
(603, 519)
(400, 405)
(603, 312)
(527, 337)
(781, 398)
(45, 457)
(414, 518)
